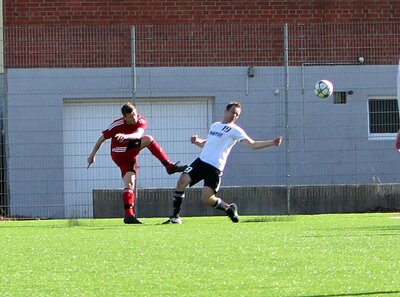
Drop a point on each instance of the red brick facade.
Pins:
(98, 12)
(69, 38)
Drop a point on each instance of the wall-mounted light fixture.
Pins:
(250, 72)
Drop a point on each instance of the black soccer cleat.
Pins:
(173, 220)
(132, 220)
(232, 212)
(176, 168)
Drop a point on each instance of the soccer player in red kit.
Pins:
(127, 140)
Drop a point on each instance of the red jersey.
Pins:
(119, 126)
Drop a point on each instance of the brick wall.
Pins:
(28, 44)
(80, 12)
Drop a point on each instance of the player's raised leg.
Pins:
(157, 151)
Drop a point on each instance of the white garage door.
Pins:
(171, 122)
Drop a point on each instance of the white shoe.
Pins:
(173, 220)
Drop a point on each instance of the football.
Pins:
(323, 88)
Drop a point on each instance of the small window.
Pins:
(383, 116)
(339, 97)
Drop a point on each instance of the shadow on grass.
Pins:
(379, 293)
(370, 228)
(267, 219)
(367, 230)
(67, 223)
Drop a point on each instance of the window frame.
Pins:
(380, 136)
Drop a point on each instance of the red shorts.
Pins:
(126, 161)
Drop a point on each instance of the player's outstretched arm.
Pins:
(92, 157)
(259, 144)
(200, 142)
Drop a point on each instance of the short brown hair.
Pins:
(127, 108)
(233, 103)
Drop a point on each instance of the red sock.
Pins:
(128, 197)
(159, 153)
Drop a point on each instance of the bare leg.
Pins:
(208, 197)
(179, 194)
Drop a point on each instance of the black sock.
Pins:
(220, 204)
(177, 202)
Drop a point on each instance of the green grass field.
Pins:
(299, 256)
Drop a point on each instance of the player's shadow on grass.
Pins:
(266, 219)
(372, 228)
(380, 293)
(361, 231)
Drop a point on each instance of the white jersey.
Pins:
(220, 140)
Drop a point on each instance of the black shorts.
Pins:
(200, 170)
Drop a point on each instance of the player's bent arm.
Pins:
(200, 142)
(259, 144)
(136, 135)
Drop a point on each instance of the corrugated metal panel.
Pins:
(268, 200)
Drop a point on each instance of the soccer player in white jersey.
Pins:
(209, 166)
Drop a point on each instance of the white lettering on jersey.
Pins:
(221, 138)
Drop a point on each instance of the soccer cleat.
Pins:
(232, 212)
(174, 168)
(132, 220)
(173, 220)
